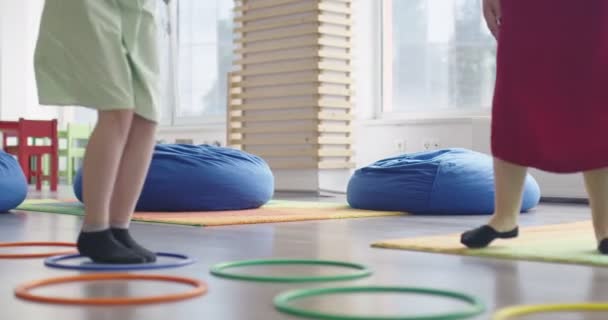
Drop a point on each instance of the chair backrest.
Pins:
(38, 128)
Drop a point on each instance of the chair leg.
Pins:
(39, 172)
(23, 158)
(54, 168)
(31, 161)
(70, 168)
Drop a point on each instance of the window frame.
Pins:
(175, 120)
(385, 109)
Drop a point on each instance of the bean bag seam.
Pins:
(430, 198)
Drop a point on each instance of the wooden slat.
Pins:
(303, 66)
(335, 79)
(281, 104)
(280, 69)
(333, 31)
(347, 22)
(300, 54)
(277, 117)
(336, 153)
(303, 7)
(335, 116)
(284, 79)
(313, 18)
(335, 140)
(308, 164)
(280, 34)
(326, 103)
(277, 129)
(336, 165)
(343, 1)
(303, 152)
(342, 44)
(283, 34)
(336, 91)
(329, 116)
(341, 9)
(277, 140)
(312, 42)
(284, 93)
(334, 55)
(292, 92)
(279, 56)
(331, 66)
(277, 24)
(290, 128)
(294, 79)
(282, 152)
(290, 104)
(292, 164)
(294, 140)
(333, 128)
(263, 4)
(295, 44)
(281, 9)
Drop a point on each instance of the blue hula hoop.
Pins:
(57, 263)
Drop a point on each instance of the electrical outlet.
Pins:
(401, 146)
(436, 144)
(427, 145)
(431, 144)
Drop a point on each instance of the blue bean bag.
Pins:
(202, 178)
(13, 186)
(442, 182)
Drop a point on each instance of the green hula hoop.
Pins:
(219, 270)
(282, 303)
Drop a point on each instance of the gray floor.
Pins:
(497, 283)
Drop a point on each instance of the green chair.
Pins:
(73, 151)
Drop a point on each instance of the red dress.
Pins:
(551, 99)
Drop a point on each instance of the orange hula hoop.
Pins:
(35, 244)
(23, 291)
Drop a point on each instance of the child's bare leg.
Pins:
(129, 182)
(101, 162)
(509, 183)
(596, 182)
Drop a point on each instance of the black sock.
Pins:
(603, 246)
(102, 247)
(481, 237)
(124, 237)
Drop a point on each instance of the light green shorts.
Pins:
(100, 54)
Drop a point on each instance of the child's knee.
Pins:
(116, 122)
(143, 123)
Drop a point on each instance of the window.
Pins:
(204, 56)
(166, 54)
(438, 56)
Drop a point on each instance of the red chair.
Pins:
(32, 130)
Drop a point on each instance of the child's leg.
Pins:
(129, 182)
(509, 183)
(597, 188)
(101, 162)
